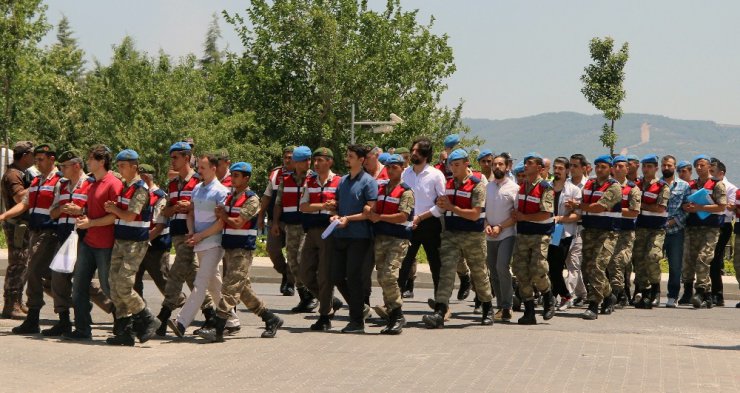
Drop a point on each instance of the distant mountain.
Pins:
(565, 133)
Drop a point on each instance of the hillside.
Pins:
(564, 133)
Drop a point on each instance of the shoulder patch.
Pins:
(405, 186)
(474, 179)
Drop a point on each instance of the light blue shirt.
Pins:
(205, 199)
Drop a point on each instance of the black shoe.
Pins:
(698, 300)
(688, 293)
(592, 312)
(163, 316)
(528, 318)
(396, 322)
(145, 325)
(307, 302)
(30, 325)
(123, 333)
(283, 284)
(336, 304)
(485, 318)
(737, 305)
(272, 324)
(215, 332)
(437, 319)
(289, 289)
(323, 324)
(718, 299)
(76, 335)
(209, 314)
(548, 306)
(621, 300)
(464, 291)
(354, 328)
(408, 294)
(607, 306)
(63, 326)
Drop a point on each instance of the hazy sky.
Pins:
(514, 58)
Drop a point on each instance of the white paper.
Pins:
(329, 229)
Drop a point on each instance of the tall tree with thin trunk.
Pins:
(211, 54)
(603, 84)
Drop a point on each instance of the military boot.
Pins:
(464, 291)
(215, 332)
(437, 319)
(607, 306)
(396, 322)
(145, 325)
(63, 326)
(485, 318)
(272, 324)
(13, 308)
(688, 293)
(163, 316)
(548, 306)
(655, 294)
(123, 334)
(592, 312)
(528, 318)
(208, 313)
(30, 325)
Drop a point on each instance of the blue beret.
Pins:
(519, 168)
(619, 159)
(650, 159)
(632, 157)
(383, 157)
(241, 167)
(180, 146)
(127, 155)
(531, 155)
(301, 153)
(457, 154)
(484, 153)
(683, 164)
(605, 159)
(452, 140)
(394, 159)
(701, 157)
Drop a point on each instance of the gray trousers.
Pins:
(499, 261)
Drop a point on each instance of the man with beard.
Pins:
(675, 228)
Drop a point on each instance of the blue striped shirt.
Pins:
(679, 193)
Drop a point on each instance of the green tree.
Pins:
(211, 53)
(306, 62)
(603, 84)
(22, 26)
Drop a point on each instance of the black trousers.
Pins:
(427, 234)
(349, 271)
(556, 261)
(718, 262)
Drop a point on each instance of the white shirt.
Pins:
(501, 200)
(580, 185)
(205, 198)
(570, 192)
(427, 186)
(731, 190)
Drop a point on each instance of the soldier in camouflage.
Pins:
(463, 236)
(534, 225)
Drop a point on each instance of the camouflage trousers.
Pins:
(236, 284)
(315, 268)
(529, 264)
(156, 262)
(702, 241)
(618, 267)
(389, 254)
(124, 264)
(472, 247)
(648, 251)
(294, 236)
(183, 270)
(598, 248)
(43, 245)
(16, 236)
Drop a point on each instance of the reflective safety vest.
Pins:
(604, 220)
(244, 236)
(383, 177)
(388, 203)
(626, 223)
(40, 199)
(226, 181)
(463, 198)
(276, 176)
(78, 196)
(442, 166)
(530, 204)
(164, 240)
(178, 222)
(714, 220)
(319, 194)
(138, 228)
(290, 200)
(650, 194)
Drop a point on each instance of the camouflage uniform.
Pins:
(16, 235)
(42, 248)
(702, 241)
(389, 254)
(294, 235)
(648, 248)
(619, 268)
(236, 284)
(125, 260)
(529, 262)
(468, 245)
(598, 248)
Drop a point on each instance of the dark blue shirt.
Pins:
(352, 196)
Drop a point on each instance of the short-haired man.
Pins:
(574, 281)
(719, 171)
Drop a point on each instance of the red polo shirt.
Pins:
(106, 189)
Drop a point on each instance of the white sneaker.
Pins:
(671, 303)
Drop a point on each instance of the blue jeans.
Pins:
(89, 259)
(673, 246)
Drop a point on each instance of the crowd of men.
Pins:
(541, 233)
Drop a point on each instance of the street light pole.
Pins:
(352, 136)
(387, 126)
